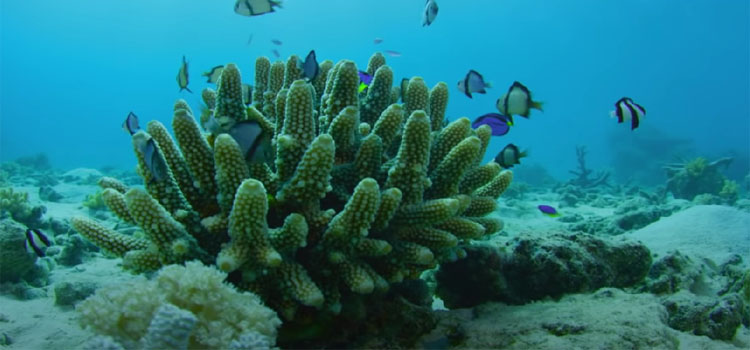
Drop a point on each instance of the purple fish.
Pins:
(131, 123)
(499, 123)
(548, 210)
(473, 82)
(365, 78)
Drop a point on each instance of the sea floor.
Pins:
(605, 319)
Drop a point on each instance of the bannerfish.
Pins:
(182, 76)
(392, 53)
(404, 85)
(517, 101)
(254, 143)
(276, 42)
(377, 41)
(364, 81)
(131, 124)
(276, 53)
(31, 242)
(309, 67)
(255, 7)
(626, 109)
(247, 94)
(509, 156)
(155, 162)
(548, 210)
(430, 12)
(499, 123)
(214, 74)
(473, 82)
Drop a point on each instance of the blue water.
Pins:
(70, 71)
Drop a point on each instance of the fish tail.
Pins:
(537, 105)
(488, 84)
(552, 215)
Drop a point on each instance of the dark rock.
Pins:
(537, 267)
(69, 293)
(49, 194)
(714, 318)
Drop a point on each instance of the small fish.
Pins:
(247, 94)
(404, 85)
(473, 82)
(309, 67)
(430, 12)
(377, 41)
(548, 210)
(31, 242)
(499, 123)
(131, 124)
(276, 53)
(626, 109)
(182, 76)
(509, 156)
(214, 74)
(276, 42)
(517, 101)
(249, 40)
(392, 53)
(254, 143)
(211, 125)
(364, 81)
(155, 162)
(255, 7)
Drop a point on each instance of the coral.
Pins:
(700, 315)
(582, 173)
(362, 193)
(16, 204)
(192, 302)
(698, 176)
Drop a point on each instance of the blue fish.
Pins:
(548, 210)
(499, 123)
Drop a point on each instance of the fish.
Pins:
(377, 40)
(276, 53)
(430, 12)
(509, 156)
(309, 67)
(404, 85)
(130, 124)
(247, 94)
(364, 81)
(276, 42)
(473, 82)
(182, 76)
(517, 101)
(254, 143)
(255, 7)
(548, 210)
(31, 242)
(155, 162)
(249, 40)
(500, 124)
(392, 53)
(626, 109)
(214, 74)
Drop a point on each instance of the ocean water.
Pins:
(70, 71)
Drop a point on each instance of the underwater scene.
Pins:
(375, 174)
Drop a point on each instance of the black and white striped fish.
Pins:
(626, 109)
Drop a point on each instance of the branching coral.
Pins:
(363, 193)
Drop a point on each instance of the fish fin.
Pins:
(488, 84)
(188, 90)
(537, 105)
(552, 215)
(467, 93)
(276, 3)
